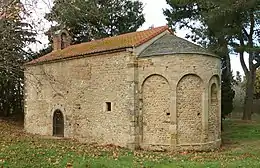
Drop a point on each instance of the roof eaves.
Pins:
(34, 62)
(173, 53)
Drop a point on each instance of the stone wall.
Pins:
(159, 102)
(189, 110)
(188, 77)
(81, 89)
(214, 108)
(156, 109)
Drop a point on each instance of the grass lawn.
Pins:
(241, 148)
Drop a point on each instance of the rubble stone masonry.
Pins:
(166, 102)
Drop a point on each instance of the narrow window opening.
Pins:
(214, 97)
(109, 108)
(168, 114)
(58, 124)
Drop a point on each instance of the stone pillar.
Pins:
(132, 99)
(205, 114)
(56, 42)
(173, 111)
(26, 81)
(219, 107)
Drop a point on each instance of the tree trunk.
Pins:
(251, 71)
(228, 64)
(5, 109)
(248, 108)
(222, 128)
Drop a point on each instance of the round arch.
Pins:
(189, 109)
(189, 74)
(58, 123)
(214, 108)
(58, 109)
(214, 79)
(151, 75)
(156, 112)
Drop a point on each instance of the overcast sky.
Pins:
(153, 10)
(154, 16)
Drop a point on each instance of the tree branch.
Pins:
(243, 64)
(246, 33)
(241, 54)
(252, 25)
(250, 41)
(257, 58)
(256, 65)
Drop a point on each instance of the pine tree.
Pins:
(206, 27)
(14, 35)
(94, 19)
(229, 23)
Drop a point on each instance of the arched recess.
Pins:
(63, 40)
(214, 110)
(189, 109)
(156, 111)
(58, 124)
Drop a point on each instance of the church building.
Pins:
(147, 89)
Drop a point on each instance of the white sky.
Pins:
(153, 10)
(154, 16)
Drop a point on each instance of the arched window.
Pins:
(214, 94)
(58, 124)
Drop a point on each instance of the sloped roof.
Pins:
(171, 44)
(123, 41)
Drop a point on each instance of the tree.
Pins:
(257, 85)
(206, 28)
(94, 19)
(227, 91)
(247, 30)
(230, 23)
(15, 35)
(238, 77)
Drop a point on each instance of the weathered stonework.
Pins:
(194, 122)
(130, 98)
(189, 107)
(80, 88)
(156, 109)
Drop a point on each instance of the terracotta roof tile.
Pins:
(128, 40)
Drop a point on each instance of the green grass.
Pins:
(241, 148)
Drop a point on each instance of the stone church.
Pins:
(147, 89)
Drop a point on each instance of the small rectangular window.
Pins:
(109, 108)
